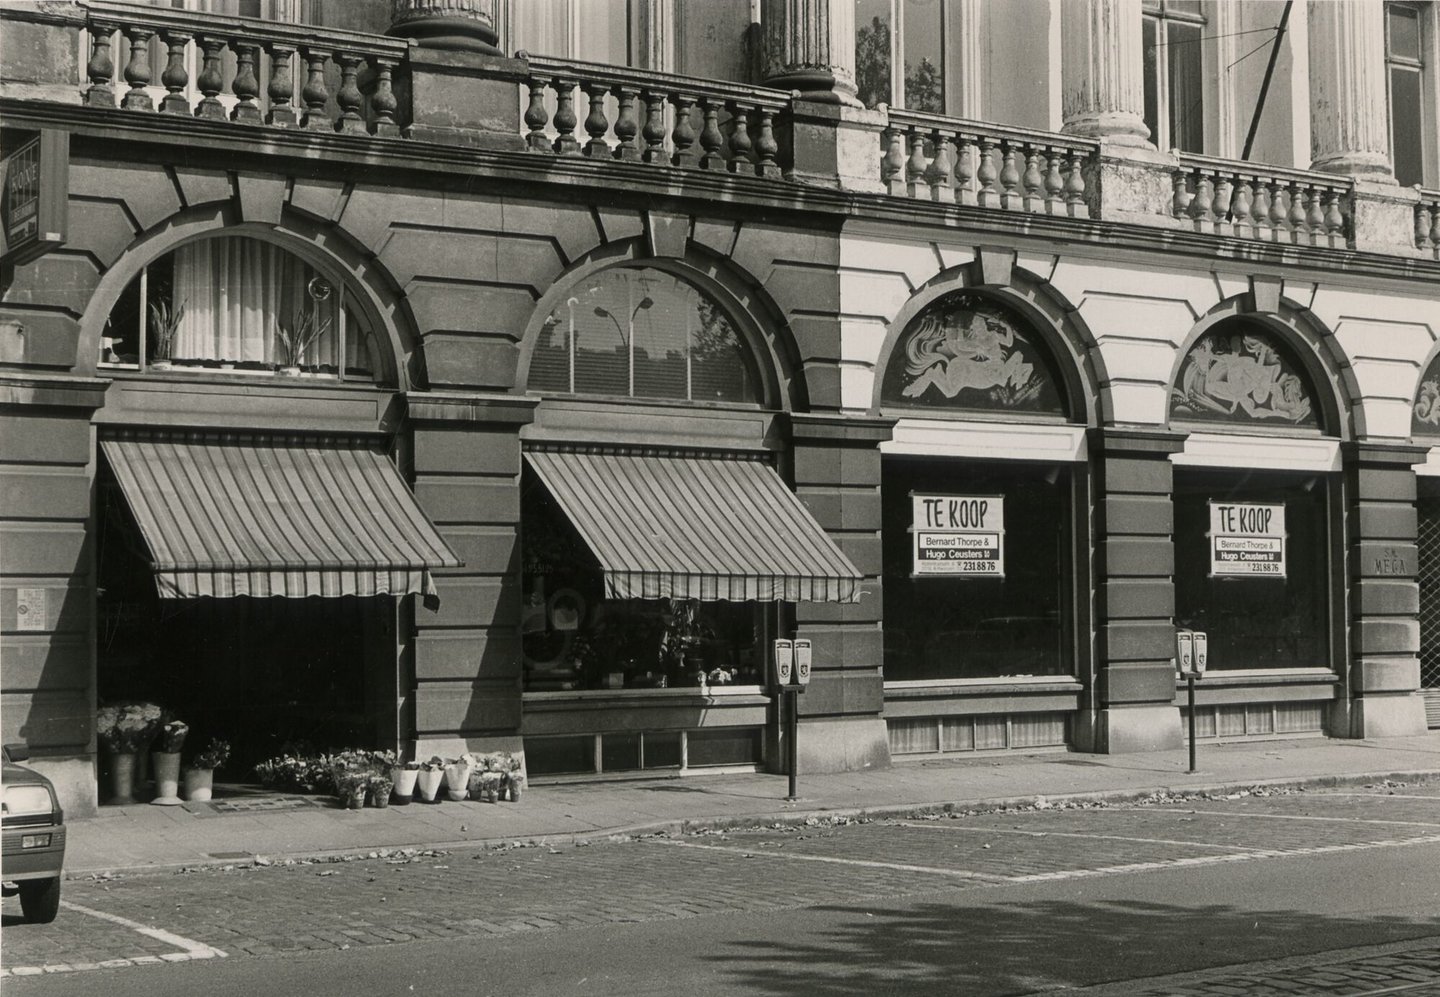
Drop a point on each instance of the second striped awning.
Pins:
(696, 527)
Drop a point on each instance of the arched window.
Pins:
(966, 352)
(1425, 413)
(240, 304)
(1242, 374)
(643, 333)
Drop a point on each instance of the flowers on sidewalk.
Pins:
(125, 728)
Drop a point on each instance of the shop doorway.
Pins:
(1428, 539)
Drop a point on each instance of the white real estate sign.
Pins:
(959, 534)
(1247, 539)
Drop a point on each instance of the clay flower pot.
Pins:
(199, 784)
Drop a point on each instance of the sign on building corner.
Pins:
(34, 196)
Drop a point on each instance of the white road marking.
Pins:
(1377, 795)
(1328, 820)
(937, 826)
(866, 863)
(189, 949)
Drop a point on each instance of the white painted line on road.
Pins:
(866, 863)
(937, 826)
(1377, 795)
(1329, 820)
(189, 949)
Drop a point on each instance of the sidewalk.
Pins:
(239, 829)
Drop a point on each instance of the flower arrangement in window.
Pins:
(164, 322)
(304, 329)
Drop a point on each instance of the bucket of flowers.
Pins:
(457, 777)
(125, 729)
(200, 773)
(167, 762)
(403, 779)
(429, 778)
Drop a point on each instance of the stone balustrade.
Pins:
(1427, 223)
(245, 70)
(646, 117)
(950, 160)
(1266, 203)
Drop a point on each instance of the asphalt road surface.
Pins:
(1298, 894)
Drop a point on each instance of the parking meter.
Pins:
(1185, 651)
(784, 658)
(802, 662)
(1202, 649)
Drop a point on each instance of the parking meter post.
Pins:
(1190, 683)
(793, 694)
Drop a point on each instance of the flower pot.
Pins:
(514, 784)
(404, 780)
(199, 784)
(379, 795)
(167, 778)
(289, 370)
(159, 364)
(353, 797)
(427, 781)
(457, 781)
(122, 777)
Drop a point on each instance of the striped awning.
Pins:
(233, 514)
(692, 527)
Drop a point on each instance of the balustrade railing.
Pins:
(657, 118)
(935, 158)
(1267, 203)
(241, 69)
(1427, 223)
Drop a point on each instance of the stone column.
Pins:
(1349, 126)
(810, 47)
(1384, 687)
(837, 477)
(1102, 67)
(1134, 696)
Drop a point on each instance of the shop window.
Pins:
(965, 352)
(1009, 620)
(240, 305)
(905, 33)
(1172, 32)
(640, 332)
(1243, 375)
(1405, 69)
(1252, 568)
(574, 638)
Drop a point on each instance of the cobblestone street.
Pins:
(934, 862)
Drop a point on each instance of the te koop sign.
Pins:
(959, 535)
(1247, 539)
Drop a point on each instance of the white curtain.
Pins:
(237, 293)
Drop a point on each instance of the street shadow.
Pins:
(969, 949)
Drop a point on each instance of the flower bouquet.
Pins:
(200, 773)
(125, 728)
(428, 780)
(457, 777)
(167, 762)
(377, 789)
(172, 736)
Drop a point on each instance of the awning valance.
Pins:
(694, 527)
(232, 514)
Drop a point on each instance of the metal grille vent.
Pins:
(1428, 538)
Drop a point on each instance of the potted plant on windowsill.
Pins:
(304, 329)
(200, 774)
(164, 322)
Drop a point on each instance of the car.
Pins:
(33, 827)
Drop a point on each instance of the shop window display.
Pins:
(1256, 619)
(973, 626)
(574, 638)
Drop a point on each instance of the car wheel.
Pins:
(40, 900)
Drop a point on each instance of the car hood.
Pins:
(19, 775)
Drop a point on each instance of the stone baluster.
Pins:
(1033, 181)
(1315, 218)
(1180, 195)
(1260, 212)
(137, 70)
(565, 119)
(597, 125)
(281, 87)
(1278, 232)
(1224, 191)
(916, 165)
(175, 76)
(892, 164)
(654, 130)
(1423, 223)
(937, 176)
(1054, 183)
(348, 97)
(210, 79)
(1075, 186)
(1334, 219)
(537, 117)
(766, 147)
(1010, 197)
(314, 93)
(965, 170)
(627, 125)
(1241, 225)
(1202, 205)
(382, 102)
(1435, 227)
(1295, 216)
(100, 69)
(712, 141)
(246, 84)
(989, 191)
(741, 146)
(683, 134)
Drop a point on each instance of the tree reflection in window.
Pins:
(643, 333)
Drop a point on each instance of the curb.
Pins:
(689, 825)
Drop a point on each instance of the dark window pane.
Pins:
(1255, 622)
(1404, 33)
(559, 755)
(620, 752)
(1184, 7)
(950, 627)
(924, 76)
(1187, 118)
(1405, 141)
(872, 51)
(1152, 78)
(724, 747)
(662, 750)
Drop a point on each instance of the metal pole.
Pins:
(1190, 684)
(794, 696)
(1265, 83)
